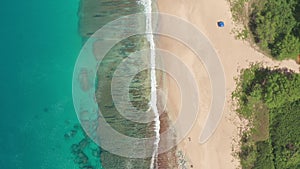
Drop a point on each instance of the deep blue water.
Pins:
(39, 47)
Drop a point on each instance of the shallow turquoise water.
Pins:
(39, 46)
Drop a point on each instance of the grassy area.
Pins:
(260, 130)
(239, 10)
(270, 100)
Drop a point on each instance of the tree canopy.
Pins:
(275, 26)
(270, 99)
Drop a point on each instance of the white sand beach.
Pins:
(217, 152)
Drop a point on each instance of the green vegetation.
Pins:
(270, 100)
(274, 25)
(238, 9)
(240, 14)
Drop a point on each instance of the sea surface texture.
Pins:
(39, 47)
(40, 43)
(94, 14)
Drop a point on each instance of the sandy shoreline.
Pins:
(217, 152)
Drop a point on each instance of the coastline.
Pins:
(218, 151)
(168, 159)
(93, 15)
(234, 55)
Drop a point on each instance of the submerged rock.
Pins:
(83, 143)
(87, 167)
(96, 152)
(75, 149)
(70, 134)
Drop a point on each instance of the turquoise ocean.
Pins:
(39, 47)
(40, 42)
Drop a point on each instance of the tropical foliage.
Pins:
(272, 24)
(270, 100)
(275, 26)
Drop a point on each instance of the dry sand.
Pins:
(217, 152)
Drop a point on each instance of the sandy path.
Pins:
(234, 54)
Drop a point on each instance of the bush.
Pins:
(270, 99)
(276, 28)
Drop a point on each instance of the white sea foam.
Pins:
(153, 101)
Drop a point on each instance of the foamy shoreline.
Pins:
(217, 152)
(153, 101)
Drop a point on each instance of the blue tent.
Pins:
(221, 24)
